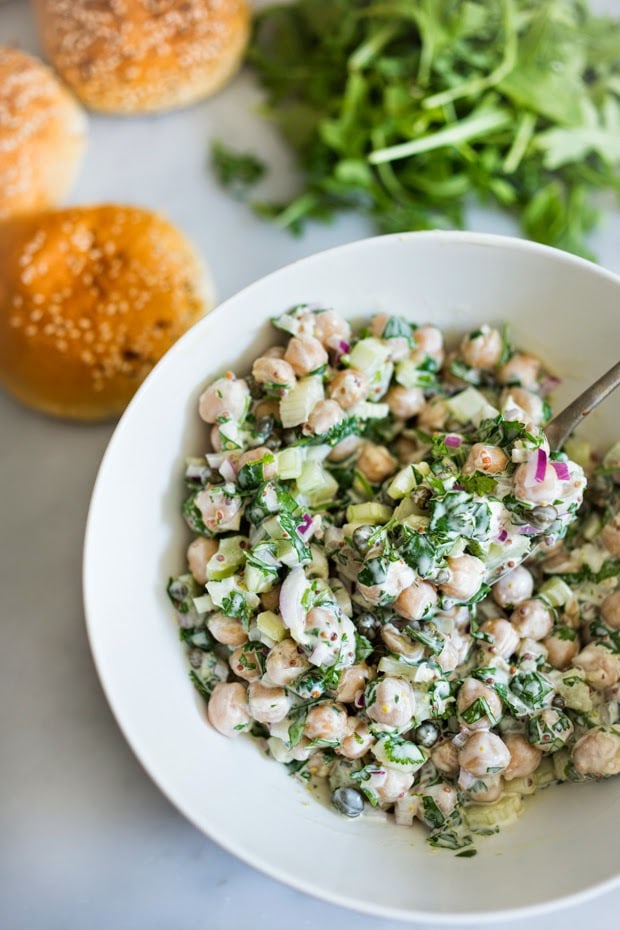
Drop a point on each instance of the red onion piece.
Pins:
(228, 471)
(291, 608)
(528, 530)
(502, 535)
(453, 441)
(541, 465)
(561, 470)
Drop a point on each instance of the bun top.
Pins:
(142, 55)
(90, 299)
(41, 134)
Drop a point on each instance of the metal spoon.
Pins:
(561, 426)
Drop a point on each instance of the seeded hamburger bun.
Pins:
(90, 299)
(42, 135)
(144, 55)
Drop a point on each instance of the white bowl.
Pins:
(564, 847)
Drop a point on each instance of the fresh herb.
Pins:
(236, 171)
(478, 483)
(363, 648)
(405, 110)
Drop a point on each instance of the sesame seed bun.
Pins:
(90, 299)
(42, 135)
(144, 55)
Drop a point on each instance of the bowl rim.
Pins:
(88, 570)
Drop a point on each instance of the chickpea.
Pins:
(219, 511)
(357, 740)
(416, 601)
(610, 610)
(489, 459)
(376, 463)
(324, 415)
(485, 792)
(483, 349)
(305, 354)
(450, 656)
(516, 586)
(228, 708)
(466, 575)
(394, 785)
(407, 450)
(524, 758)
(532, 620)
(610, 536)
(245, 662)
(531, 404)
(271, 599)
(392, 703)
(343, 449)
(528, 488)
(285, 662)
(199, 552)
(445, 757)
(270, 466)
(330, 328)
(521, 370)
(277, 371)
(434, 415)
(399, 576)
(561, 651)
(405, 402)
(484, 753)
(274, 352)
(597, 753)
(428, 344)
(327, 722)
(378, 322)
(471, 691)
(550, 729)
(227, 630)
(352, 682)
(227, 397)
(400, 644)
(349, 387)
(601, 666)
(505, 637)
(267, 704)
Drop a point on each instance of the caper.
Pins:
(362, 536)
(427, 735)
(543, 517)
(368, 625)
(348, 801)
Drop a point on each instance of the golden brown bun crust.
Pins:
(42, 135)
(90, 299)
(143, 55)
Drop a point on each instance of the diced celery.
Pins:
(371, 512)
(591, 526)
(555, 592)
(470, 406)
(319, 566)
(316, 483)
(405, 509)
(203, 604)
(411, 375)
(271, 625)
(290, 463)
(220, 590)
(592, 556)
(230, 435)
(369, 355)
(402, 484)
(611, 459)
(416, 521)
(500, 814)
(229, 557)
(367, 411)
(257, 581)
(297, 403)
(579, 451)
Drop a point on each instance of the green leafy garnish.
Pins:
(403, 111)
(236, 171)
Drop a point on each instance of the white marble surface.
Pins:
(86, 840)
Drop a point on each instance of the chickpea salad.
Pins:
(364, 492)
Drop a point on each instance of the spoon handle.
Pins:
(560, 428)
